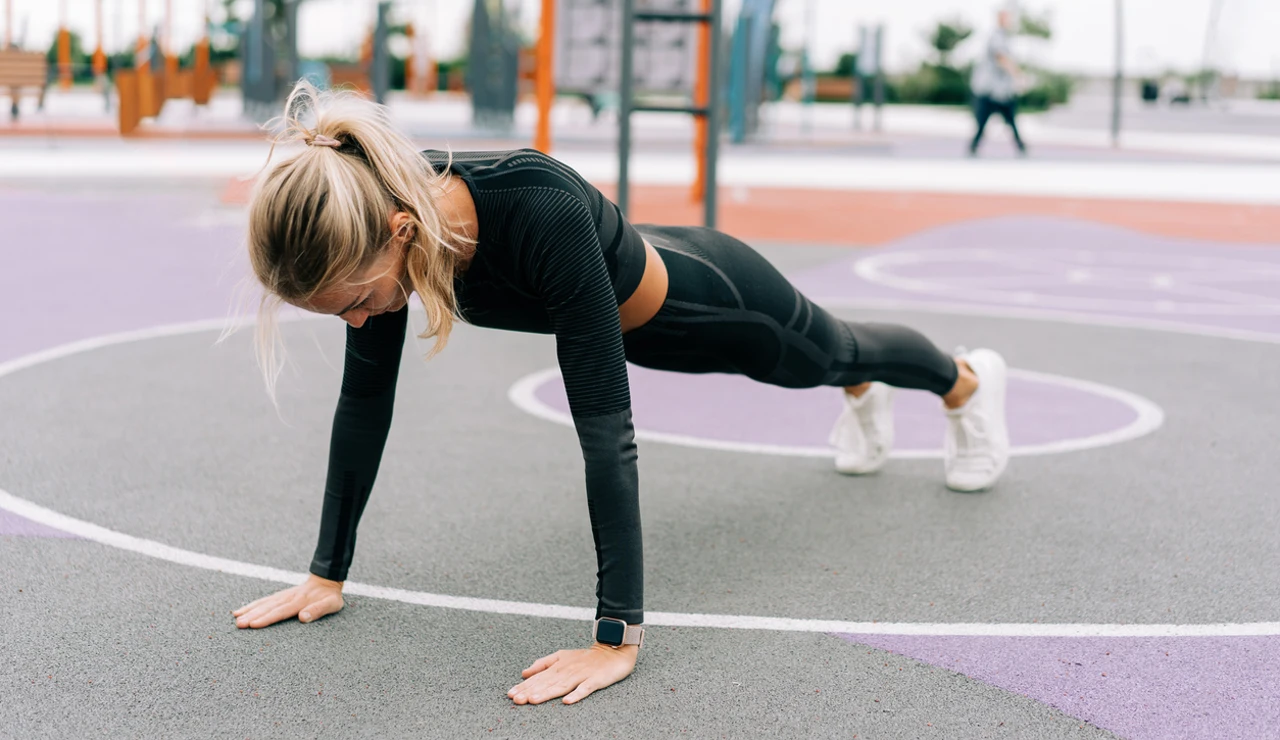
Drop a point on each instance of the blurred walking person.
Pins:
(994, 84)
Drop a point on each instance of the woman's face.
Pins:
(381, 288)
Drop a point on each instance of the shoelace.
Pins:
(968, 439)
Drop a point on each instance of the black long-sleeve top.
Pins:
(554, 257)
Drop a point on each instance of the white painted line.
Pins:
(161, 551)
(1149, 417)
(1022, 313)
(879, 269)
(177, 555)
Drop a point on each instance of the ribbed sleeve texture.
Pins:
(360, 426)
(540, 266)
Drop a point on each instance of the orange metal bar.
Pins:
(545, 83)
(202, 77)
(701, 97)
(99, 56)
(64, 58)
(411, 80)
(8, 23)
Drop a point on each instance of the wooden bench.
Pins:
(23, 69)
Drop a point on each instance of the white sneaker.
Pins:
(863, 435)
(977, 442)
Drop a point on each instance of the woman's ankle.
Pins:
(857, 391)
(966, 385)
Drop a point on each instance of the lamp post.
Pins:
(1118, 84)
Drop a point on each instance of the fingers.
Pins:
(573, 674)
(320, 608)
(306, 603)
(540, 665)
(268, 617)
(538, 691)
(270, 610)
(252, 605)
(583, 691)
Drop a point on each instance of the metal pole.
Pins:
(546, 86)
(8, 23)
(878, 111)
(701, 96)
(380, 71)
(1210, 36)
(99, 56)
(1119, 80)
(625, 103)
(713, 120)
(64, 48)
(142, 33)
(809, 82)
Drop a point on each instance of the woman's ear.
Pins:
(402, 228)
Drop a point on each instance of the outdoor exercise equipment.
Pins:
(706, 99)
(371, 73)
(753, 46)
(493, 67)
(142, 91)
(868, 73)
(578, 53)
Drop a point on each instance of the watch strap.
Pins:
(632, 635)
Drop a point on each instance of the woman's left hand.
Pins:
(574, 672)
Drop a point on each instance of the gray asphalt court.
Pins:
(1118, 582)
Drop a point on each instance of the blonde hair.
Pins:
(318, 217)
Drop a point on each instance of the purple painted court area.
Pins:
(1153, 688)
(12, 525)
(133, 270)
(1046, 265)
(725, 408)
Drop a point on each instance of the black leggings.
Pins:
(729, 311)
(983, 107)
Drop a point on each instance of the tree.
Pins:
(1041, 28)
(846, 65)
(80, 68)
(946, 37)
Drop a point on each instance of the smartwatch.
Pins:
(615, 633)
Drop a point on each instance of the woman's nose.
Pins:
(356, 318)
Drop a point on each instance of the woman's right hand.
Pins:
(307, 601)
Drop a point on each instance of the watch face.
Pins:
(610, 631)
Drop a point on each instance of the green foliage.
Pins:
(120, 60)
(1051, 89)
(946, 36)
(941, 83)
(846, 65)
(1041, 27)
(934, 84)
(1270, 91)
(81, 62)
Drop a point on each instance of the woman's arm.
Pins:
(360, 426)
(567, 268)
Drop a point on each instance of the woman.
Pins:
(516, 240)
